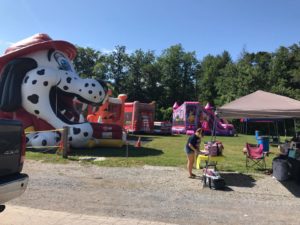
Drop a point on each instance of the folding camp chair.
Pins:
(255, 156)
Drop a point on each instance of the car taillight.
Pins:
(23, 148)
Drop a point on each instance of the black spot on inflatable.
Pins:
(44, 142)
(69, 80)
(66, 88)
(33, 98)
(26, 79)
(90, 92)
(70, 138)
(85, 134)
(45, 83)
(34, 81)
(41, 72)
(76, 130)
(36, 111)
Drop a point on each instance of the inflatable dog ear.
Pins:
(104, 85)
(11, 80)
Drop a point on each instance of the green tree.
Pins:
(177, 75)
(280, 74)
(100, 68)
(227, 85)
(209, 75)
(85, 61)
(140, 65)
(117, 67)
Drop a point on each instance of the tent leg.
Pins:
(284, 129)
(295, 127)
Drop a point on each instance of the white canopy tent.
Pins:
(261, 104)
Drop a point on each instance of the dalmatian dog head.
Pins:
(46, 84)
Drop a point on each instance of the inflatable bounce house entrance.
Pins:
(210, 119)
(186, 118)
(111, 115)
(110, 112)
(191, 115)
(139, 117)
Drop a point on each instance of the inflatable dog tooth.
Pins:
(37, 86)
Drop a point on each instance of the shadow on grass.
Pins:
(117, 152)
(131, 151)
(146, 138)
(143, 138)
(106, 151)
(131, 140)
(42, 150)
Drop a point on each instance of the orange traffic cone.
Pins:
(138, 143)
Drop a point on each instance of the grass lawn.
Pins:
(160, 151)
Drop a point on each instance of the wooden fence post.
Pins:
(65, 142)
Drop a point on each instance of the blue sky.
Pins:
(203, 26)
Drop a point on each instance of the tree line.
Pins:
(177, 75)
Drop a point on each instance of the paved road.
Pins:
(17, 215)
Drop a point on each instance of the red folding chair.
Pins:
(255, 156)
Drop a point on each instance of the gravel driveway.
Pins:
(158, 194)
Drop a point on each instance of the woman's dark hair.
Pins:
(199, 130)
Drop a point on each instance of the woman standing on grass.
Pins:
(192, 149)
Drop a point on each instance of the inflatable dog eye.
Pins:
(38, 85)
(62, 62)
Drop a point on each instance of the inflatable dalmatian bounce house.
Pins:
(38, 85)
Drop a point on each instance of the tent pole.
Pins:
(284, 129)
(295, 127)
(213, 130)
(277, 132)
(243, 128)
(213, 135)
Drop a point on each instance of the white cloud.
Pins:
(107, 51)
(104, 50)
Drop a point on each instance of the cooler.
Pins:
(264, 141)
(256, 134)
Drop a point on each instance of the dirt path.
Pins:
(162, 194)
